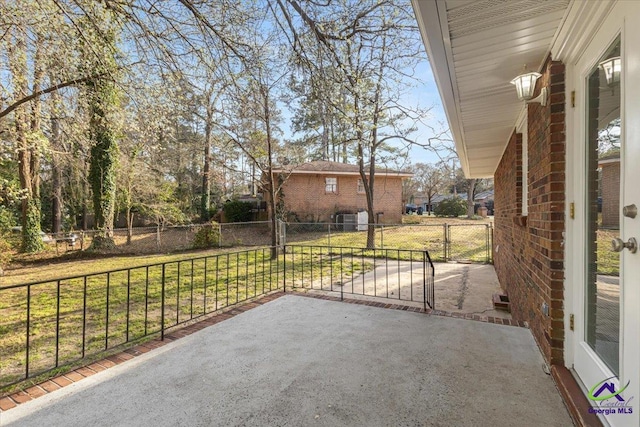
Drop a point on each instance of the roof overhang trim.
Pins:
(435, 36)
(377, 174)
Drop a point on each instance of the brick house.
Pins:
(579, 293)
(317, 191)
(609, 191)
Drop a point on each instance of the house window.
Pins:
(331, 185)
(360, 186)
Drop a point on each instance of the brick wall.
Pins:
(304, 194)
(528, 252)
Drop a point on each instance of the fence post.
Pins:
(445, 243)
(382, 237)
(329, 229)
(28, 341)
(487, 240)
(284, 233)
(342, 281)
(162, 305)
(284, 268)
(219, 235)
(424, 280)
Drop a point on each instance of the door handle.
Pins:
(617, 245)
(630, 211)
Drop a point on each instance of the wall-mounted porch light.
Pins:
(612, 68)
(526, 86)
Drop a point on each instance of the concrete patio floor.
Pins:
(299, 361)
(459, 287)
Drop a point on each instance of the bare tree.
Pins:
(27, 133)
(430, 179)
(252, 121)
(371, 44)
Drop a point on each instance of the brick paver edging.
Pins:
(33, 392)
(465, 316)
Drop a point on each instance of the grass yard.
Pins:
(90, 314)
(80, 263)
(101, 303)
(469, 241)
(608, 260)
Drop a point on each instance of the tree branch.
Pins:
(50, 89)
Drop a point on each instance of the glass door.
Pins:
(603, 145)
(605, 261)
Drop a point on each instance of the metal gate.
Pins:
(465, 243)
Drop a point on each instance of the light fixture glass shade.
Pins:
(612, 68)
(526, 85)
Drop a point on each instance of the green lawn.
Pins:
(88, 264)
(108, 309)
(131, 299)
(469, 242)
(608, 260)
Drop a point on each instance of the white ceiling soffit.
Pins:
(476, 47)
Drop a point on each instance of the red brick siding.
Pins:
(529, 258)
(304, 194)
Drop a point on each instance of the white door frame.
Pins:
(622, 20)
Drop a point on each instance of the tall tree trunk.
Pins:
(367, 181)
(102, 174)
(27, 142)
(470, 194)
(56, 194)
(372, 155)
(325, 132)
(129, 224)
(128, 194)
(103, 102)
(272, 184)
(56, 168)
(205, 201)
(85, 199)
(334, 154)
(271, 180)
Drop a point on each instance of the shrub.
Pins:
(7, 219)
(6, 251)
(453, 207)
(208, 236)
(237, 211)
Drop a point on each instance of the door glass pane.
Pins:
(603, 209)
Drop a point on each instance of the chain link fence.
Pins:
(151, 240)
(445, 242)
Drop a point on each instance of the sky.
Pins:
(426, 95)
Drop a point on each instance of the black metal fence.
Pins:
(406, 275)
(48, 324)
